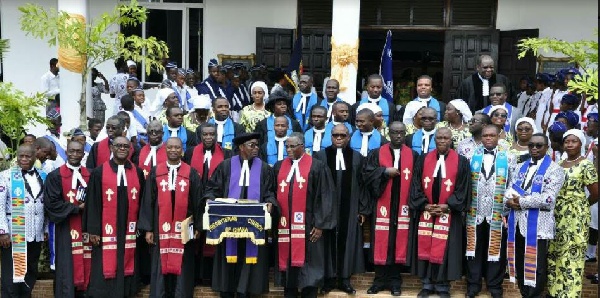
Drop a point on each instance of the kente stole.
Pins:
(495, 239)
(171, 215)
(161, 157)
(530, 257)
(382, 218)
(81, 248)
(109, 220)
(433, 233)
(197, 161)
(253, 193)
(292, 235)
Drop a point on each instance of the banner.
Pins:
(236, 220)
(385, 69)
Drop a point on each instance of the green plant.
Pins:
(3, 47)
(583, 52)
(96, 41)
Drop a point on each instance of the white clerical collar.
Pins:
(305, 94)
(76, 176)
(340, 164)
(173, 175)
(121, 176)
(425, 100)
(244, 174)
(280, 146)
(375, 100)
(481, 78)
(294, 170)
(440, 167)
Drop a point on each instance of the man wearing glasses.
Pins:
(467, 146)
(307, 205)
(242, 176)
(423, 140)
(345, 242)
(498, 94)
(154, 152)
(101, 151)
(533, 187)
(475, 89)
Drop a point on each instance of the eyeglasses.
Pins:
(500, 115)
(339, 135)
(496, 94)
(290, 146)
(487, 67)
(536, 145)
(251, 145)
(427, 118)
(154, 132)
(121, 146)
(473, 121)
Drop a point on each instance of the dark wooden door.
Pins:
(274, 46)
(508, 63)
(460, 55)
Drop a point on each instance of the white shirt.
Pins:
(145, 113)
(50, 84)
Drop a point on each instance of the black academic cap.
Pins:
(245, 137)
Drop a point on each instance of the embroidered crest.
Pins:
(538, 179)
(17, 176)
(283, 221)
(108, 229)
(426, 215)
(178, 226)
(404, 210)
(227, 145)
(298, 217)
(444, 219)
(132, 227)
(74, 234)
(383, 211)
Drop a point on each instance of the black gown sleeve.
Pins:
(148, 203)
(296, 126)
(321, 185)
(364, 198)
(91, 160)
(374, 177)
(57, 209)
(214, 186)
(260, 128)
(262, 154)
(92, 222)
(192, 140)
(195, 206)
(418, 199)
(187, 156)
(458, 200)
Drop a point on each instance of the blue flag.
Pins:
(385, 69)
(294, 68)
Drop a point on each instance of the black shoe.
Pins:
(347, 288)
(374, 289)
(444, 294)
(396, 291)
(424, 293)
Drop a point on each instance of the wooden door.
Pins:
(460, 55)
(508, 64)
(274, 46)
(316, 55)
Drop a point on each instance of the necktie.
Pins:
(318, 138)
(280, 147)
(151, 156)
(173, 175)
(440, 167)
(426, 140)
(302, 104)
(76, 177)
(364, 146)
(207, 157)
(121, 176)
(245, 175)
(294, 170)
(339, 160)
(396, 158)
(220, 125)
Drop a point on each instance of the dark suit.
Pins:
(471, 87)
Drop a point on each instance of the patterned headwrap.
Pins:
(571, 117)
(497, 107)
(579, 134)
(592, 117)
(213, 63)
(171, 64)
(411, 110)
(570, 99)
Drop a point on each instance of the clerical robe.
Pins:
(345, 243)
(240, 277)
(121, 285)
(451, 267)
(319, 213)
(170, 284)
(101, 153)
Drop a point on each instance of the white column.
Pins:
(344, 46)
(70, 69)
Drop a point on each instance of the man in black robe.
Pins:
(129, 189)
(388, 175)
(345, 242)
(245, 279)
(475, 88)
(301, 251)
(64, 193)
(438, 198)
(157, 219)
(101, 151)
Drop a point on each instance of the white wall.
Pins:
(230, 25)
(567, 20)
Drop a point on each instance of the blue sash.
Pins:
(228, 133)
(329, 127)
(272, 152)
(434, 104)
(271, 126)
(530, 258)
(303, 118)
(189, 105)
(141, 119)
(385, 108)
(509, 107)
(87, 147)
(181, 134)
(59, 149)
(374, 140)
(309, 137)
(417, 142)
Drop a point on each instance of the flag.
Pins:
(294, 68)
(385, 69)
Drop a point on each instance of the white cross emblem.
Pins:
(164, 185)
(109, 192)
(71, 195)
(183, 184)
(404, 210)
(134, 192)
(300, 181)
(426, 180)
(448, 183)
(282, 185)
(406, 173)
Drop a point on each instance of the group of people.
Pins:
(473, 187)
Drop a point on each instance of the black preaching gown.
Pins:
(452, 268)
(59, 211)
(170, 285)
(121, 286)
(319, 214)
(352, 199)
(240, 277)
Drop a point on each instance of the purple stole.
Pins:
(235, 190)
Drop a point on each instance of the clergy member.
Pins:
(305, 198)
(208, 154)
(154, 152)
(388, 174)
(374, 89)
(227, 130)
(345, 242)
(64, 195)
(111, 214)
(486, 235)
(423, 140)
(278, 106)
(242, 176)
(339, 115)
(332, 89)
(101, 152)
(315, 138)
(274, 149)
(172, 194)
(366, 138)
(438, 198)
(22, 224)
(531, 196)
(175, 129)
(304, 100)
